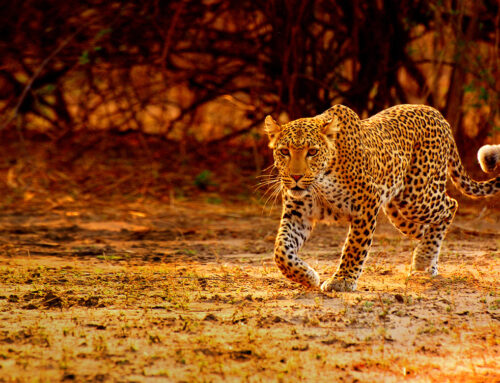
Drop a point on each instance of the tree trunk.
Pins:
(454, 98)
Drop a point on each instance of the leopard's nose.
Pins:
(296, 177)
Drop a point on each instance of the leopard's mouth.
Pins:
(297, 192)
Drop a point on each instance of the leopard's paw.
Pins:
(312, 279)
(338, 284)
(431, 271)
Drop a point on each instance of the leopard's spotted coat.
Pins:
(336, 165)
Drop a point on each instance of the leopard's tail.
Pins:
(489, 159)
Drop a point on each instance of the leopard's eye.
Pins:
(285, 152)
(312, 152)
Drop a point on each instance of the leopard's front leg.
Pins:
(354, 253)
(295, 228)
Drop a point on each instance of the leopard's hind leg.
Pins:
(426, 254)
(430, 223)
(424, 203)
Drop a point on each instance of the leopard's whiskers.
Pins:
(273, 192)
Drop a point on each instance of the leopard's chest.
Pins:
(332, 201)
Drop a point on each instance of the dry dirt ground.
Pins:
(188, 292)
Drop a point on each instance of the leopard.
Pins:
(336, 165)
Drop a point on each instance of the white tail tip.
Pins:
(489, 157)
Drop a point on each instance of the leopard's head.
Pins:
(303, 150)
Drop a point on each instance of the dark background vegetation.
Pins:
(168, 97)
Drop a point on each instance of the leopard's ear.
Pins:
(331, 127)
(272, 129)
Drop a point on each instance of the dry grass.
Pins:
(189, 293)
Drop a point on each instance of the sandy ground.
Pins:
(189, 292)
